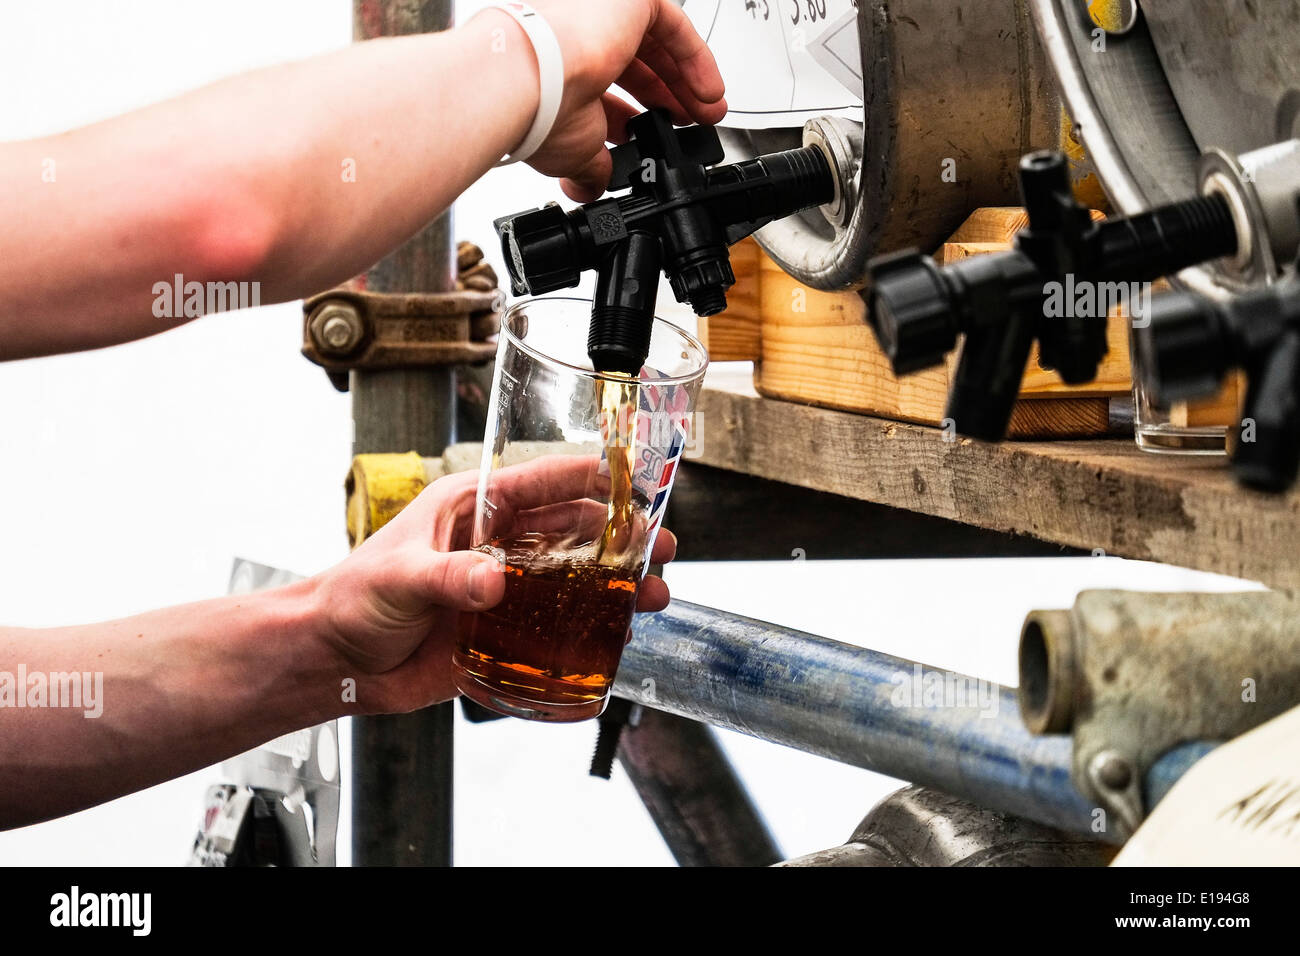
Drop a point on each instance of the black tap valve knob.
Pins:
(1055, 216)
(910, 308)
(541, 250)
(1193, 341)
(1266, 454)
(655, 140)
(704, 285)
(1182, 351)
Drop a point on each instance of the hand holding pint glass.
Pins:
(606, 448)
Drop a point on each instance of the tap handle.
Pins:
(655, 140)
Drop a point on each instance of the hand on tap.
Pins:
(648, 48)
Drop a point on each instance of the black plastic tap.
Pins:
(1192, 342)
(1000, 301)
(682, 213)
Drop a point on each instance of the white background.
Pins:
(131, 476)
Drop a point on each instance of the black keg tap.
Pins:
(1002, 302)
(681, 214)
(1193, 341)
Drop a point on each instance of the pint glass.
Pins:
(576, 471)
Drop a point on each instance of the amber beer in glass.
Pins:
(576, 472)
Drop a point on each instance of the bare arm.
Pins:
(243, 180)
(152, 697)
(182, 688)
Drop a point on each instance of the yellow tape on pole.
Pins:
(379, 486)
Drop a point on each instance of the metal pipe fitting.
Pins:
(1047, 673)
(1132, 675)
(917, 826)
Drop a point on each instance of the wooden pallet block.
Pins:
(816, 347)
(735, 335)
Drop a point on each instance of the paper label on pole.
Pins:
(1239, 805)
(784, 61)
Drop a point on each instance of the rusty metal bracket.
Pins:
(1131, 675)
(349, 327)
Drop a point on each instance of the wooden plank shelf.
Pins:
(1088, 494)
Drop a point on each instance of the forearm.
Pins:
(160, 695)
(295, 177)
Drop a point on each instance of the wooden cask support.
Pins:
(734, 335)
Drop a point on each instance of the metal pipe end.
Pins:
(1048, 667)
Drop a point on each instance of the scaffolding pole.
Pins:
(402, 765)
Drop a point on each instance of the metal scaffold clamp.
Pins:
(349, 327)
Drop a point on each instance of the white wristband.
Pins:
(550, 72)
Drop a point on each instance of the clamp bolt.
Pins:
(1114, 772)
(337, 329)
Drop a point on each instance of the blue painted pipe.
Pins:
(921, 724)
